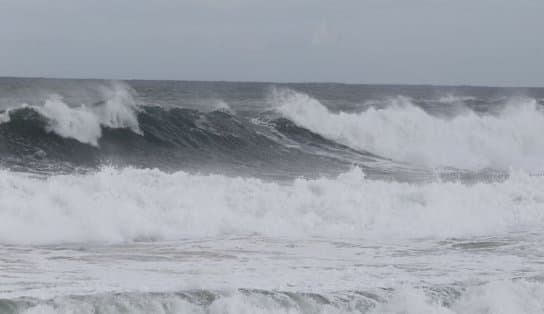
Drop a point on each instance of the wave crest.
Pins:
(405, 132)
(84, 123)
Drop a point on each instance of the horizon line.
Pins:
(272, 82)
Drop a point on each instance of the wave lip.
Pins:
(85, 122)
(405, 132)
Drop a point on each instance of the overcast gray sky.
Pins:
(477, 42)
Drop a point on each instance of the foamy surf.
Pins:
(500, 297)
(130, 205)
(195, 197)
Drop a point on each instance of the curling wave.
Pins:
(56, 136)
(85, 123)
(403, 131)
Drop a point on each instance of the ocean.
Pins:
(239, 197)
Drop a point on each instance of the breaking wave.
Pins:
(57, 136)
(403, 131)
(84, 123)
(495, 297)
(133, 205)
(117, 130)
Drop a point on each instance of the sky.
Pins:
(440, 42)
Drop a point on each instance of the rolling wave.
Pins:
(511, 138)
(294, 136)
(118, 132)
(519, 296)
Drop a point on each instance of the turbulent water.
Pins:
(203, 197)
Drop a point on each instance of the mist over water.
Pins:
(195, 197)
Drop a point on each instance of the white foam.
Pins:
(125, 205)
(221, 105)
(410, 300)
(520, 296)
(405, 132)
(78, 123)
(119, 109)
(503, 297)
(172, 304)
(84, 123)
(455, 99)
(4, 117)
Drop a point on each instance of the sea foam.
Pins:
(134, 205)
(522, 297)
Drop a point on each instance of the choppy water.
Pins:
(193, 197)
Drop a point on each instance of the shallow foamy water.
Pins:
(246, 273)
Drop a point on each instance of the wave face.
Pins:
(131, 205)
(58, 136)
(404, 131)
(259, 130)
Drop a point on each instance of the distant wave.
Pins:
(117, 131)
(406, 132)
(135, 205)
